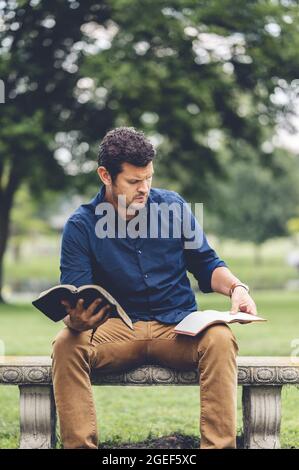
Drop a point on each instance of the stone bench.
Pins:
(262, 379)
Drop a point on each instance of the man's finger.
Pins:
(103, 314)
(91, 308)
(252, 309)
(80, 305)
(234, 308)
(77, 311)
(66, 305)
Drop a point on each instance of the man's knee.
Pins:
(68, 341)
(219, 337)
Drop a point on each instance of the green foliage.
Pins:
(256, 204)
(293, 225)
(201, 78)
(25, 219)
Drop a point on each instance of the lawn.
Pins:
(161, 410)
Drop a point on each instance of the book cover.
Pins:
(49, 301)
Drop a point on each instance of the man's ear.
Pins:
(104, 175)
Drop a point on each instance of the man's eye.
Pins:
(137, 181)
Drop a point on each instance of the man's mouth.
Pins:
(139, 198)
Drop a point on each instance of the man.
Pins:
(148, 276)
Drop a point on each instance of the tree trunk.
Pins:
(6, 201)
(16, 249)
(4, 229)
(2, 301)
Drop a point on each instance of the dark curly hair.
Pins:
(124, 144)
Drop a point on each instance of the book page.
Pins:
(59, 286)
(196, 321)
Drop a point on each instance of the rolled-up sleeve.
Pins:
(75, 255)
(201, 259)
(201, 263)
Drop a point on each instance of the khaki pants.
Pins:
(116, 348)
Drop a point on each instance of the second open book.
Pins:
(197, 321)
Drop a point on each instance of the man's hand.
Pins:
(81, 319)
(241, 301)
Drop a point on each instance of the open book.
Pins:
(197, 321)
(49, 301)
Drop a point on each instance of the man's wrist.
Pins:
(237, 284)
(67, 321)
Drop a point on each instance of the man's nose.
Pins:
(143, 186)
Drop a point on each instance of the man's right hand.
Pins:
(81, 319)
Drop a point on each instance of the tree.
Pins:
(203, 79)
(257, 206)
(200, 78)
(26, 221)
(37, 41)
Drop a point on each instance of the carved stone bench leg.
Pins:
(261, 416)
(37, 417)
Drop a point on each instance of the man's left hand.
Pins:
(242, 301)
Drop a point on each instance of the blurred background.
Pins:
(215, 86)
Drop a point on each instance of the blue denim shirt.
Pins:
(146, 275)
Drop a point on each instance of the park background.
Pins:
(214, 85)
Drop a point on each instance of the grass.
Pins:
(159, 411)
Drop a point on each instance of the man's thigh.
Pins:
(116, 348)
(170, 349)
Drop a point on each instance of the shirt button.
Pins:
(146, 276)
(139, 251)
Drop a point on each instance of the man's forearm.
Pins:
(222, 280)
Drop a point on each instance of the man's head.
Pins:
(125, 166)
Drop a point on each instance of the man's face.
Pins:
(134, 183)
